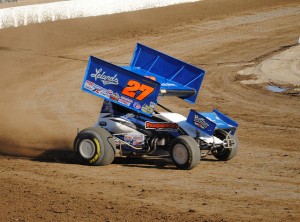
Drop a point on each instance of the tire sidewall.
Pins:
(193, 154)
(98, 143)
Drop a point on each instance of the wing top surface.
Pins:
(175, 76)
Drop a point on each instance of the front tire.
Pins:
(222, 153)
(95, 146)
(185, 152)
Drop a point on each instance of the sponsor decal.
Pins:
(97, 91)
(107, 93)
(105, 79)
(97, 87)
(200, 122)
(89, 85)
(134, 139)
(152, 104)
(128, 138)
(168, 84)
(125, 101)
(137, 105)
(104, 92)
(147, 109)
(102, 123)
(161, 125)
(114, 96)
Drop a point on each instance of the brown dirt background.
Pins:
(41, 69)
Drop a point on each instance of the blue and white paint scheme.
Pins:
(131, 95)
(208, 122)
(166, 76)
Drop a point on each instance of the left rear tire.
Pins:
(95, 146)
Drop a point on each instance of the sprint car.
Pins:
(129, 125)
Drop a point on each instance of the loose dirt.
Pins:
(42, 67)
(281, 69)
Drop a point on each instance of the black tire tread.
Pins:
(230, 153)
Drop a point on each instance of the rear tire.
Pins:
(95, 146)
(185, 152)
(222, 153)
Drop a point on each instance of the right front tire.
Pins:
(95, 146)
(185, 152)
(222, 153)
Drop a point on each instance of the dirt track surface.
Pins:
(42, 106)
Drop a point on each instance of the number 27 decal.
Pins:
(134, 86)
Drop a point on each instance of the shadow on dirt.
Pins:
(58, 156)
(69, 157)
(146, 162)
(165, 162)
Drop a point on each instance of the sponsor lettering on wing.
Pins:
(106, 79)
(200, 122)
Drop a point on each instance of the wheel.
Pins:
(185, 152)
(223, 153)
(95, 146)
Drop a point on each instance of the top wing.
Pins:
(151, 73)
(176, 77)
